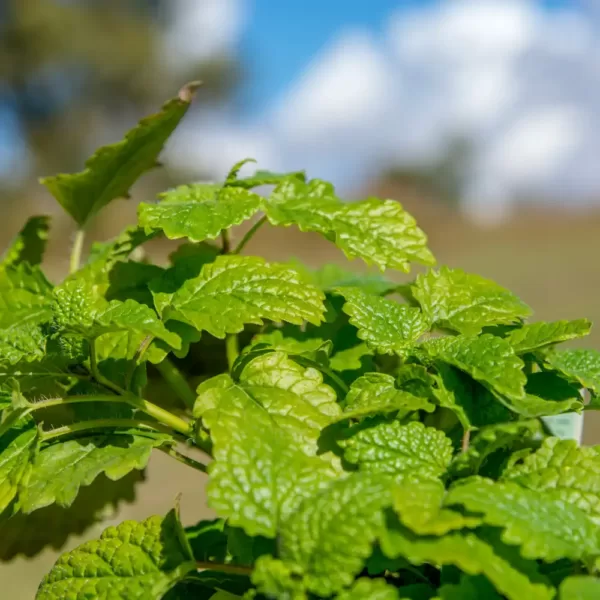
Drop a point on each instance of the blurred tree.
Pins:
(71, 71)
(443, 179)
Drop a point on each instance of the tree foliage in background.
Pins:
(358, 443)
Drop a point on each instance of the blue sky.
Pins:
(281, 37)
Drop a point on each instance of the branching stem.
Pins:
(182, 458)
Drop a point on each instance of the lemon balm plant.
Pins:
(362, 440)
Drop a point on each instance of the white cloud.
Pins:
(200, 29)
(521, 82)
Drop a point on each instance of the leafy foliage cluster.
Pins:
(365, 440)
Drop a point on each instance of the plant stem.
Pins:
(226, 242)
(232, 349)
(76, 251)
(239, 569)
(101, 424)
(249, 235)
(178, 383)
(182, 458)
(465, 440)
(153, 410)
(334, 377)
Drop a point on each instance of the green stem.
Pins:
(178, 383)
(232, 349)
(101, 424)
(249, 235)
(466, 438)
(153, 410)
(182, 458)
(76, 251)
(336, 378)
(226, 242)
(224, 568)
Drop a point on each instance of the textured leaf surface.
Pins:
(351, 359)
(563, 469)
(374, 393)
(259, 474)
(131, 561)
(465, 302)
(277, 579)
(470, 554)
(29, 245)
(59, 470)
(580, 587)
(582, 366)
(112, 170)
(370, 589)
(79, 309)
(330, 535)
(17, 449)
(548, 394)
(544, 526)
(488, 359)
(419, 506)
(386, 326)
(199, 211)
(238, 290)
(539, 335)
(315, 349)
(289, 397)
(380, 232)
(399, 449)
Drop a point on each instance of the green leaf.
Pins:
(490, 439)
(470, 554)
(52, 526)
(60, 469)
(259, 474)
(113, 169)
(563, 470)
(486, 358)
(370, 589)
(535, 336)
(470, 588)
(548, 394)
(580, 587)
(374, 393)
(351, 359)
(131, 561)
(24, 296)
(79, 309)
(129, 280)
(386, 326)
(17, 449)
(23, 342)
(582, 366)
(261, 178)
(277, 579)
(464, 302)
(544, 526)
(390, 447)
(29, 245)
(331, 534)
(472, 403)
(315, 349)
(105, 254)
(288, 396)
(238, 290)
(419, 506)
(329, 277)
(208, 540)
(380, 232)
(199, 211)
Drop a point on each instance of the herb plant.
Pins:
(362, 439)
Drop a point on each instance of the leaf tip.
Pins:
(187, 92)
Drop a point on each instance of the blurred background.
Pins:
(481, 116)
